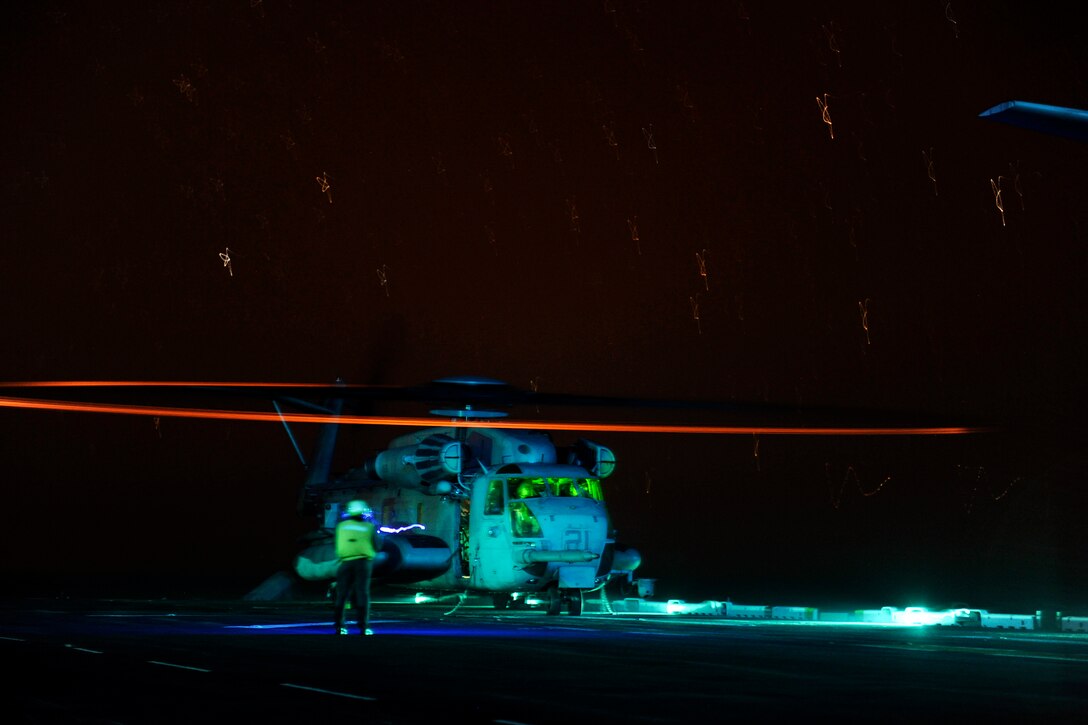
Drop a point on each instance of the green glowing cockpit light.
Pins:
(523, 522)
(525, 487)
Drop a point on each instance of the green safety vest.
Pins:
(355, 540)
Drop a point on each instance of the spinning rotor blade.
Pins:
(166, 399)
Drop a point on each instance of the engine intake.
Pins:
(436, 458)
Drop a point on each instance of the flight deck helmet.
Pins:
(358, 507)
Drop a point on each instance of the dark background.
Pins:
(487, 163)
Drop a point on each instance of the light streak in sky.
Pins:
(326, 188)
(825, 114)
(632, 225)
(185, 87)
(610, 138)
(648, 134)
(684, 97)
(863, 307)
(836, 498)
(930, 168)
(701, 259)
(695, 312)
(226, 261)
(383, 278)
(979, 477)
(853, 221)
(952, 19)
(503, 142)
(829, 31)
(406, 421)
(534, 385)
(996, 186)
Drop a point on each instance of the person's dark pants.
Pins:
(353, 584)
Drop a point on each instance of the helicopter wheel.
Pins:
(501, 600)
(575, 606)
(555, 601)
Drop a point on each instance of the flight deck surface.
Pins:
(129, 660)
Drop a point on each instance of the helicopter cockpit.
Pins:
(540, 486)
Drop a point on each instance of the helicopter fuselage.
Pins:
(511, 521)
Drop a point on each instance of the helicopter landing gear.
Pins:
(574, 602)
(557, 599)
(553, 600)
(501, 600)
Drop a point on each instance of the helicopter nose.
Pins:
(568, 507)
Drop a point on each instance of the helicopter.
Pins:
(468, 502)
(472, 508)
(475, 509)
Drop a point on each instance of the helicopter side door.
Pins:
(491, 563)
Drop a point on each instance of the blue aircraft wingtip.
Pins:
(999, 108)
(1054, 120)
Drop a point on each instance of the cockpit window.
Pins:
(493, 500)
(565, 487)
(523, 522)
(581, 487)
(524, 487)
(527, 488)
(592, 487)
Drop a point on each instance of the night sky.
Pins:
(698, 200)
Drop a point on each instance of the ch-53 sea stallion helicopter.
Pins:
(473, 504)
(473, 508)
